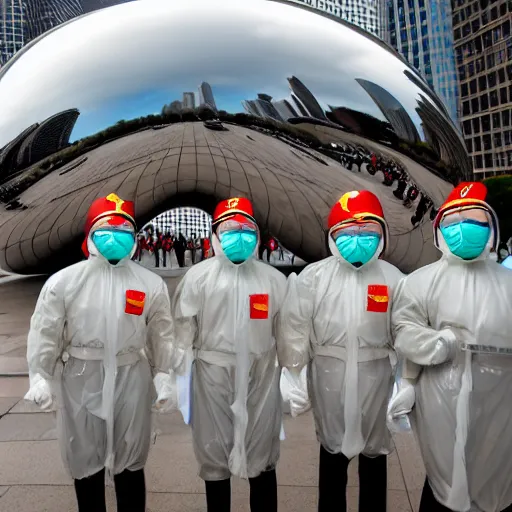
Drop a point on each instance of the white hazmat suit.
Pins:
(97, 359)
(463, 412)
(236, 405)
(325, 323)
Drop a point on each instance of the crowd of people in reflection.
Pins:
(358, 158)
(168, 250)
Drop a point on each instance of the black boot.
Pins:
(264, 492)
(130, 491)
(373, 483)
(90, 493)
(332, 482)
(218, 495)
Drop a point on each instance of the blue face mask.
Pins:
(467, 239)
(238, 246)
(114, 246)
(358, 249)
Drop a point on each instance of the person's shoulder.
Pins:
(390, 271)
(60, 279)
(423, 274)
(273, 273)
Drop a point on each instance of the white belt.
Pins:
(365, 354)
(216, 357)
(224, 359)
(98, 354)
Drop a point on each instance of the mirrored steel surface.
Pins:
(185, 103)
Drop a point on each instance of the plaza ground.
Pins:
(32, 478)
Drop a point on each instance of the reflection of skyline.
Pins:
(443, 138)
(105, 89)
(392, 109)
(188, 101)
(262, 107)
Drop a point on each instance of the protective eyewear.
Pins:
(113, 223)
(232, 225)
(357, 229)
(473, 215)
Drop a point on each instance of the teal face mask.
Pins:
(467, 239)
(358, 249)
(113, 245)
(238, 246)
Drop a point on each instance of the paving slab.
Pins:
(13, 387)
(32, 463)
(291, 499)
(410, 459)
(3, 490)
(7, 404)
(27, 427)
(24, 407)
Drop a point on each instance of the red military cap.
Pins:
(463, 195)
(236, 208)
(108, 206)
(358, 205)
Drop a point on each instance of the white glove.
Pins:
(294, 391)
(403, 402)
(40, 392)
(167, 398)
(449, 343)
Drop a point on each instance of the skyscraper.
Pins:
(189, 100)
(43, 15)
(483, 49)
(421, 30)
(306, 97)
(393, 111)
(12, 23)
(206, 96)
(366, 14)
(21, 21)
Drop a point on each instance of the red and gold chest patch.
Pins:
(378, 298)
(135, 302)
(259, 306)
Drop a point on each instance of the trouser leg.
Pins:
(264, 492)
(130, 491)
(90, 493)
(332, 482)
(373, 483)
(428, 501)
(164, 256)
(157, 258)
(218, 495)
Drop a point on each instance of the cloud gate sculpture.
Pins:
(172, 103)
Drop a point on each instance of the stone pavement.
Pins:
(32, 478)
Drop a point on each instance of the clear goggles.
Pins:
(472, 215)
(367, 227)
(113, 223)
(233, 225)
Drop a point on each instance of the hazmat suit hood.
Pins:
(218, 251)
(336, 253)
(238, 209)
(357, 206)
(468, 200)
(95, 255)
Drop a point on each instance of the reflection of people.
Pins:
(452, 322)
(225, 309)
(97, 316)
(345, 301)
(205, 249)
(180, 246)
